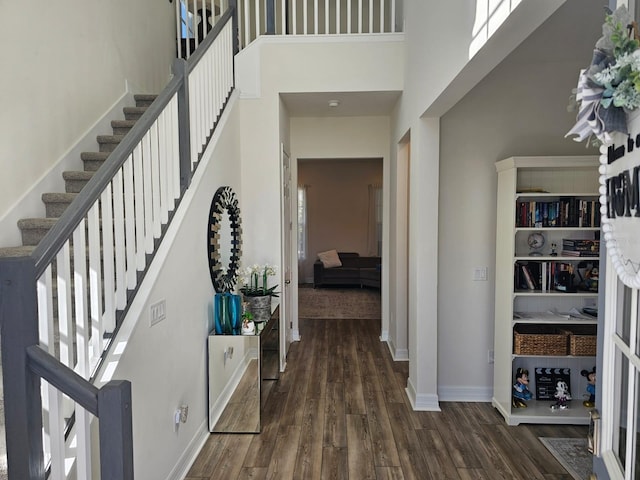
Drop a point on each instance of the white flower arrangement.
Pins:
(255, 281)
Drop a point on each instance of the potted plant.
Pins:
(256, 291)
(248, 327)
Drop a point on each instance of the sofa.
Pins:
(354, 270)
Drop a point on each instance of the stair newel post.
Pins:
(179, 69)
(233, 4)
(116, 430)
(22, 401)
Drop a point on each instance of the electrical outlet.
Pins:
(184, 413)
(181, 414)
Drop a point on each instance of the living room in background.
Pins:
(338, 206)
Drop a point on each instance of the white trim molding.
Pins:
(426, 402)
(465, 394)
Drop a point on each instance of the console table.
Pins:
(239, 367)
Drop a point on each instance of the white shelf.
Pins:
(547, 293)
(539, 411)
(555, 229)
(556, 194)
(562, 177)
(553, 356)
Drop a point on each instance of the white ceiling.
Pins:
(352, 104)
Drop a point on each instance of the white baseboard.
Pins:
(398, 354)
(384, 336)
(424, 402)
(465, 394)
(30, 205)
(184, 463)
(295, 335)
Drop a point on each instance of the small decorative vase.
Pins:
(248, 328)
(260, 307)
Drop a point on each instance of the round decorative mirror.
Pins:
(224, 240)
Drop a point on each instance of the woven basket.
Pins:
(582, 340)
(539, 340)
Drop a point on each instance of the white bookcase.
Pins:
(544, 180)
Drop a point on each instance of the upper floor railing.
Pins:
(196, 18)
(61, 307)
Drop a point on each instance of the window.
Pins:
(302, 222)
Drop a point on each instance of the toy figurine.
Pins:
(521, 391)
(554, 250)
(562, 396)
(591, 387)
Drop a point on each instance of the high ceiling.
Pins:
(561, 30)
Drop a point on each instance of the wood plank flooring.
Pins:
(340, 412)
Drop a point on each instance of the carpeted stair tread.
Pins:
(108, 143)
(34, 229)
(122, 127)
(40, 222)
(76, 180)
(144, 99)
(22, 251)
(93, 160)
(56, 203)
(133, 113)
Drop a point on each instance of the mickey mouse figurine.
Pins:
(562, 396)
(591, 387)
(521, 389)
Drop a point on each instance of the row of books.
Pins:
(566, 212)
(580, 248)
(550, 276)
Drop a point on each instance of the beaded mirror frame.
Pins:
(224, 202)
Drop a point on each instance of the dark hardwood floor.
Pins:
(340, 412)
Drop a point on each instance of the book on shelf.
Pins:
(549, 275)
(576, 253)
(564, 212)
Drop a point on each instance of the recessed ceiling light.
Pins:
(334, 103)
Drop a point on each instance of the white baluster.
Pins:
(148, 193)
(155, 180)
(315, 17)
(118, 235)
(95, 283)
(82, 427)
(109, 320)
(139, 194)
(129, 224)
(370, 16)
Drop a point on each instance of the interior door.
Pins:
(287, 231)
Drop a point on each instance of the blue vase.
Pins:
(235, 313)
(227, 314)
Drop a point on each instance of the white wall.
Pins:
(519, 109)
(166, 363)
(65, 64)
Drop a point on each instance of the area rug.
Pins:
(572, 454)
(338, 303)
